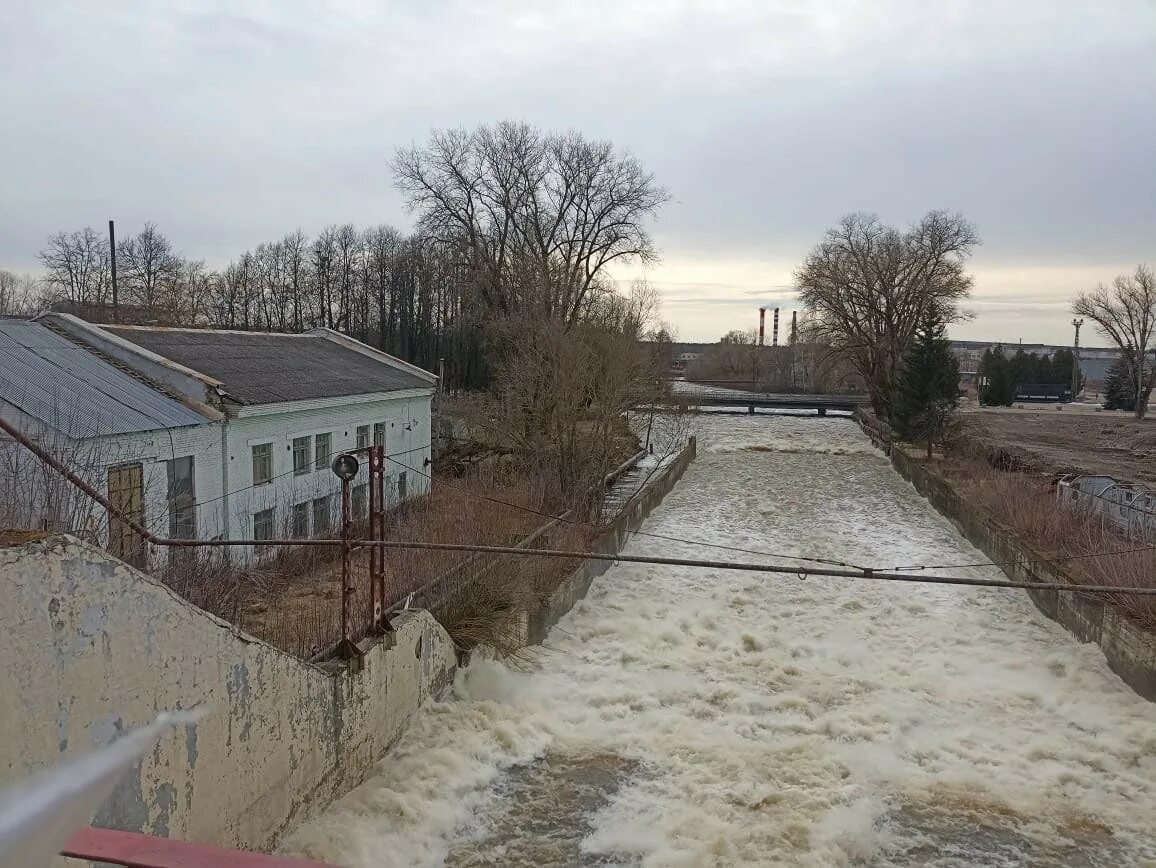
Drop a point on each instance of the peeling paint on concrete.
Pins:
(163, 801)
(126, 807)
(92, 620)
(191, 744)
(111, 648)
(103, 730)
(63, 715)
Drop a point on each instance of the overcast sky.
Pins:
(231, 123)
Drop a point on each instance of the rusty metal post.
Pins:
(381, 621)
(348, 648)
(376, 554)
(376, 603)
(346, 587)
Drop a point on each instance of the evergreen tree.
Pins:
(997, 388)
(1022, 368)
(1044, 372)
(927, 391)
(1119, 389)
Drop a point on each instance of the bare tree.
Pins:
(1125, 313)
(294, 246)
(562, 394)
(536, 217)
(77, 267)
(867, 287)
(411, 295)
(347, 251)
(323, 256)
(19, 294)
(188, 303)
(150, 270)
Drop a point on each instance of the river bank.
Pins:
(681, 716)
(1056, 546)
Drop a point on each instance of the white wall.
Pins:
(223, 464)
(154, 449)
(26, 479)
(408, 429)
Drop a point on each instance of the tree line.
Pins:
(513, 223)
(1001, 376)
(505, 277)
(883, 298)
(395, 291)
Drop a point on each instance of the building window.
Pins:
(301, 520)
(182, 499)
(262, 463)
(301, 455)
(362, 436)
(401, 486)
(263, 528)
(322, 451)
(359, 501)
(379, 434)
(322, 515)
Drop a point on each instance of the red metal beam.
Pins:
(145, 851)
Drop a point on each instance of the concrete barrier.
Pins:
(95, 647)
(574, 587)
(1129, 650)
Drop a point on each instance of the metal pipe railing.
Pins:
(802, 573)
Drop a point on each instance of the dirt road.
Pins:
(1071, 440)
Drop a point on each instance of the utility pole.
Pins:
(1076, 358)
(441, 386)
(112, 260)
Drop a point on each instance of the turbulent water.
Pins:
(691, 717)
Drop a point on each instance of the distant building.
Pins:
(199, 433)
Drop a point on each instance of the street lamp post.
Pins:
(1076, 359)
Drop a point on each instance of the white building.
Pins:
(209, 434)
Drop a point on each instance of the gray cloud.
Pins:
(229, 124)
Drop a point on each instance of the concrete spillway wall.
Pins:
(574, 587)
(95, 647)
(1129, 649)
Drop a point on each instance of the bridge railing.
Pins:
(111, 847)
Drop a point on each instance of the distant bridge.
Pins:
(711, 395)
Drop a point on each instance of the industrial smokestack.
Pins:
(794, 326)
(762, 324)
(775, 330)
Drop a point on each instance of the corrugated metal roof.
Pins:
(65, 386)
(261, 368)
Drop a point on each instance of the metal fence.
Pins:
(1129, 509)
(319, 598)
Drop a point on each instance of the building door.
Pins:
(126, 494)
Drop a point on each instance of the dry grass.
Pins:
(1027, 506)
(293, 599)
(266, 600)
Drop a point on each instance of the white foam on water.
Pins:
(777, 721)
(780, 432)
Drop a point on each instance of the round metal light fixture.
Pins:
(345, 466)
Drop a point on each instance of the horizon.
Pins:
(766, 122)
